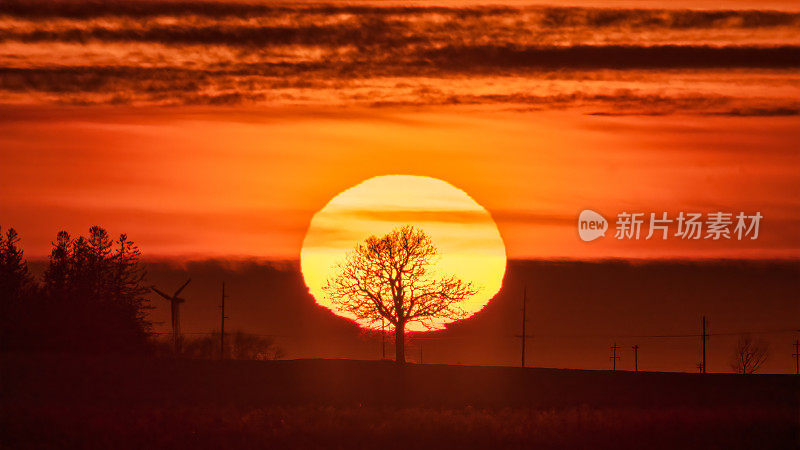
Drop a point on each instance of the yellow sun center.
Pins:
(468, 241)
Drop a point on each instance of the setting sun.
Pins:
(468, 241)
(358, 224)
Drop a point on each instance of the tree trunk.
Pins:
(400, 343)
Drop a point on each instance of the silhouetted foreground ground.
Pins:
(63, 402)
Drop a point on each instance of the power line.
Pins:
(659, 336)
(538, 335)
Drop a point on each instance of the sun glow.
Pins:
(468, 241)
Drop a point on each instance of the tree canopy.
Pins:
(91, 298)
(395, 277)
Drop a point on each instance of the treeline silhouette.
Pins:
(90, 299)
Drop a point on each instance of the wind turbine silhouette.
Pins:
(175, 303)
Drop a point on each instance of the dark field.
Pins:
(61, 402)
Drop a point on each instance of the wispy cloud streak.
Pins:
(201, 52)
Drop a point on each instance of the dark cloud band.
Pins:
(553, 17)
(228, 52)
(495, 58)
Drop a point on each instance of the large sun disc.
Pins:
(467, 239)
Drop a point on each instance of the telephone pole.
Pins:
(704, 327)
(635, 358)
(524, 336)
(524, 319)
(614, 356)
(222, 324)
(796, 357)
(383, 338)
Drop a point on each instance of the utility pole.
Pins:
(796, 357)
(222, 325)
(420, 352)
(383, 338)
(524, 319)
(704, 327)
(635, 358)
(524, 336)
(614, 356)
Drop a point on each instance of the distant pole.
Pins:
(383, 338)
(635, 358)
(524, 336)
(704, 327)
(222, 325)
(420, 352)
(614, 356)
(796, 357)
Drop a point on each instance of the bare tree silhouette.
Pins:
(394, 277)
(750, 355)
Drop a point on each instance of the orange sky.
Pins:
(219, 128)
(235, 184)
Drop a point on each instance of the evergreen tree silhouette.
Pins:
(91, 298)
(16, 289)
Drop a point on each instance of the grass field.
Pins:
(61, 402)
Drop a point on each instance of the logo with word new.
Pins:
(591, 225)
(715, 226)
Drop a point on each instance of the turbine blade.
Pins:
(161, 293)
(181, 288)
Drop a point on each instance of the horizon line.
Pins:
(598, 260)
